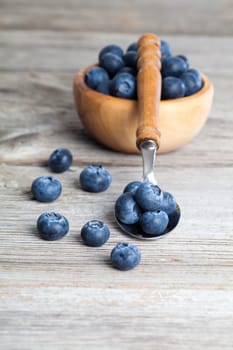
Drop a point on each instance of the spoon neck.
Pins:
(148, 149)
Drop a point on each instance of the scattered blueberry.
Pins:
(95, 233)
(95, 178)
(126, 209)
(95, 76)
(104, 87)
(60, 160)
(52, 226)
(172, 87)
(154, 222)
(132, 186)
(115, 49)
(192, 81)
(165, 49)
(46, 188)
(123, 85)
(133, 47)
(174, 67)
(149, 197)
(169, 203)
(111, 63)
(130, 59)
(125, 256)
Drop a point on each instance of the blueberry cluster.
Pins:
(116, 74)
(147, 206)
(53, 226)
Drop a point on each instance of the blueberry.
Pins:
(154, 222)
(115, 49)
(95, 76)
(149, 196)
(169, 203)
(130, 59)
(174, 67)
(95, 178)
(133, 47)
(123, 85)
(174, 218)
(95, 233)
(172, 88)
(46, 188)
(104, 87)
(184, 58)
(132, 186)
(126, 209)
(52, 226)
(60, 160)
(125, 256)
(129, 70)
(111, 63)
(165, 49)
(192, 81)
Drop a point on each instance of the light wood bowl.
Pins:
(112, 121)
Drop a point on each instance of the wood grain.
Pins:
(63, 295)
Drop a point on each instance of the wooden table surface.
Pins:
(63, 295)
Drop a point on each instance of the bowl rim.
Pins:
(79, 82)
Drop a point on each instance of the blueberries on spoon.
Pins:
(46, 188)
(60, 160)
(154, 222)
(95, 233)
(149, 196)
(52, 226)
(132, 186)
(125, 256)
(95, 178)
(127, 210)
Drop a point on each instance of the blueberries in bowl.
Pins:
(124, 85)
(173, 87)
(95, 178)
(114, 49)
(95, 76)
(111, 63)
(106, 78)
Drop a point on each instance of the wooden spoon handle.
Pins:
(149, 88)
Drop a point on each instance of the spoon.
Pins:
(148, 134)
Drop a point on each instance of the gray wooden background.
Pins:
(63, 295)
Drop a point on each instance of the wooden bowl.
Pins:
(112, 121)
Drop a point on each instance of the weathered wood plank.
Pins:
(198, 17)
(51, 292)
